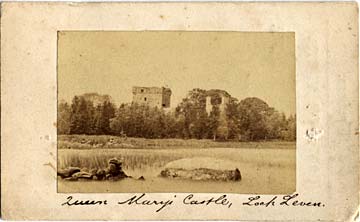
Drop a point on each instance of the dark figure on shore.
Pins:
(237, 174)
(114, 171)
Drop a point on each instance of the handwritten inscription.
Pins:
(222, 200)
(255, 201)
(292, 200)
(71, 202)
(287, 200)
(140, 200)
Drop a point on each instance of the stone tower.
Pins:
(221, 99)
(224, 100)
(152, 96)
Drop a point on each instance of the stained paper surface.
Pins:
(325, 37)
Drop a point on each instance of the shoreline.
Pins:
(117, 142)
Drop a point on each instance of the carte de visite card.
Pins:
(179, 111)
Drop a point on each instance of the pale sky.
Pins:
(245, 64)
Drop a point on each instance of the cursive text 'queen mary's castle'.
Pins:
(152, 96)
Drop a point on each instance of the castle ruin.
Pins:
(152, 96)
(221, 99)
(217, 97)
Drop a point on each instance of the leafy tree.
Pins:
(75, 125)
(193, 110)
(289, 132)
(86, 119)
(143, 121)
(252, 113)
(81, 118)
(118, 123)
(258, 121)
(172, 126)
(233, 119)
(213, 123)
(250, 119)
(96, 121)
(275, 123)
(107, 112)
(63, 121)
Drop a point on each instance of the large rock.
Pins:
(202, 174)
(100, 174)
(112, 172)
(202, 169)
(93, 171)
(68, 172)
(82, 175)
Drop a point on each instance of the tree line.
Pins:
(250, 119)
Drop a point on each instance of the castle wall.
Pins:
(222, 105)
(166, 99)
(148, 99)
(152, 96)
(209, 106)
(224, 102)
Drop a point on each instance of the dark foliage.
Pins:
(250, 119)
(82, 117)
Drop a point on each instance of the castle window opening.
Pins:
(145, 99)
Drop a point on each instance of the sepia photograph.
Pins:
(176, 111)
(181, 111)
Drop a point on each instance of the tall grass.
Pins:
(143, 159)
(106, 141)
(99, 159)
